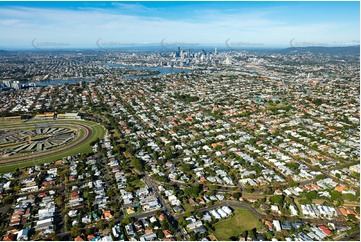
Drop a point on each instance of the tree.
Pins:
(75, 231)
(213, 187)
(136, 163)
(89, 230)
(335, 195)
(192, 237)
(116, 215)
(320, 177)
(293, 183)
(182, 222)
(237, 195)
(126, 221)
(233, 238)
(249, 189)
(193, 191)
(59, 201)
(101, 224)
(351, 217)
(8, 200)
(186, 167)
(158, 213)
(312, 195)
(160, 234)
(278, 199)
(56, 238)
(110, 193)
(244, 234)
(289, 200)
(253, 233)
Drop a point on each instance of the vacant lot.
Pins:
(241, 220)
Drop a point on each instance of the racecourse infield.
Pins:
(87, 132)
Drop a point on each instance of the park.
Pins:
(241, 221)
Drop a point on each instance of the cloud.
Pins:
(124, 23)
(134, 7)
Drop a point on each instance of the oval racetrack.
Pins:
(80, 139)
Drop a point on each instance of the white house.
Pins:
(277, 225)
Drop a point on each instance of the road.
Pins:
(153, 186)
(344, 237)
(168, 210)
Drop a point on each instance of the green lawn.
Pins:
(188, 208)
(350, 197)
(137, 184)
(98, 132)
(241, 220)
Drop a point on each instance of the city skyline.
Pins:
(29, 25)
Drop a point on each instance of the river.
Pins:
(161, 70)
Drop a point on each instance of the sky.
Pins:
(45, 25)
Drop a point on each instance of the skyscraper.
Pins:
(177, 54)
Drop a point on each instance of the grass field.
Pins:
(98, 131)
(242, 220)
(138, 184)
(188, 208)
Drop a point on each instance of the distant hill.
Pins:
(325, 50)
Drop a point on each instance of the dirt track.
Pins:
(88, 133)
